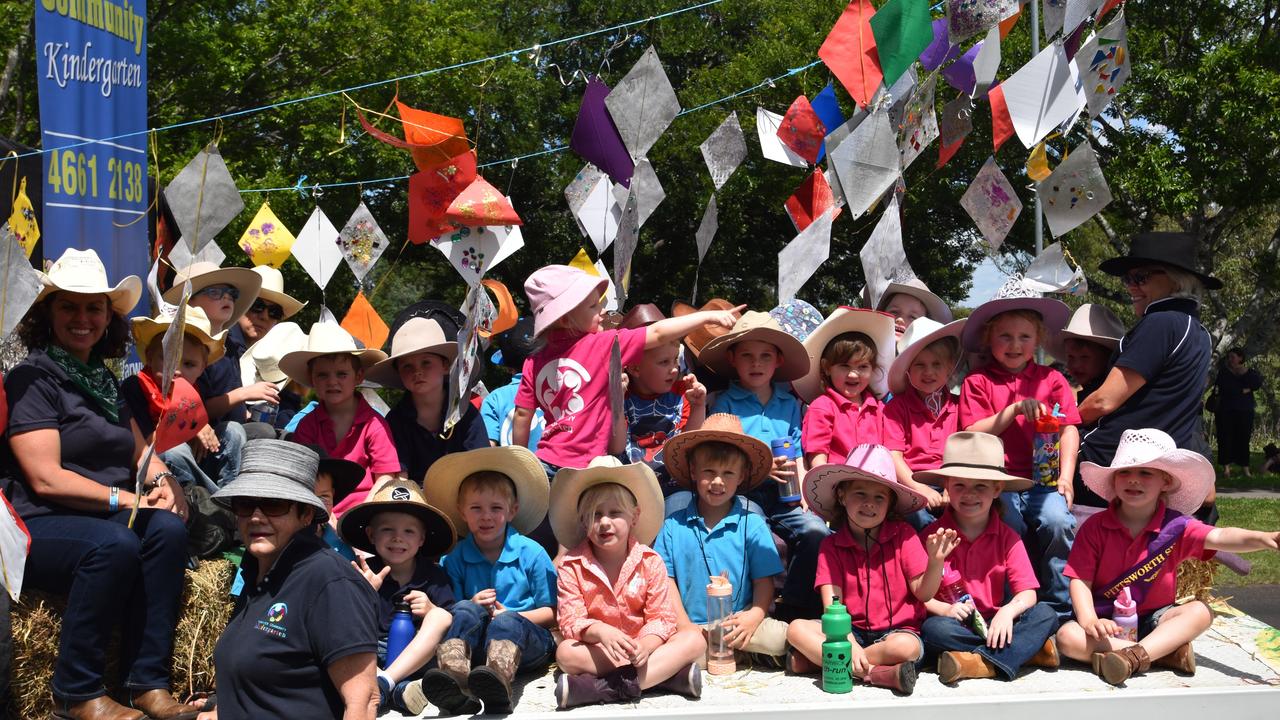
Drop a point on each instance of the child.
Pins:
(1151, 486)
(505, 581)
(910, 300)
(499, 406)
(335, 480)
(405, 535)
(759, 358)
(1270, 459)
(989, 558)
(1004, 398)
(876, 564)
(616, 616)
(343, 424)
(1086, 345)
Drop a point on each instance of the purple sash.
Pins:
(1140, 578)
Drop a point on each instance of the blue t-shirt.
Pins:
(781, 417)
(524, 577)
(499, 412)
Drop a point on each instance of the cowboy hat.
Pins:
(919, 335)
(326, 339)
(1192, 476)
(525, 471)
(1177, 250)
(973, 456)
(346, 474)
(514, 345)
(272, 291)
(642, 315)
(760, 326)
(724, 428)
(1091, 323)
(261, 362)
(197, 326)
(876, 325)
(1014, 295)
(865, 462)
(570, 483)
(555, 290)
(403, 496)
(703, 334)
(418, 335)
(206, 274)
(276, 470)
(935, 308)
(82, 272)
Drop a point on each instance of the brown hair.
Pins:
(948, 347)
(848, 347)
(355, 364)
(36, 329)
(1030, 316)
(487, 480)
(717, 452)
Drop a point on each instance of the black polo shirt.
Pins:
(418, 447)
(134, 406)
(310, 610)
(223, 376)
(428, 577)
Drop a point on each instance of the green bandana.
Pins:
(94, 379)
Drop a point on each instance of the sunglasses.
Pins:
(1140, 277)
(273, 311)
(217, 292)
(243, 507)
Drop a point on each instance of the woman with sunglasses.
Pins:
(303, 636)
(1162, 366)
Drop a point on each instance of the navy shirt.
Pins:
(133, 405)
(418, 447)
(42, 397)
(223, 376)
(428, 577)
(310, 610)
(1232, 397)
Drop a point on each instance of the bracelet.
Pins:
(113, 500)
(155, 480)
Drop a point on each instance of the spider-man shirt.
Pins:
(651, 421)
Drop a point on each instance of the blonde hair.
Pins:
(487, 480)
(947, 347)
(1030, 316)
(1185, 285)
(597, 495)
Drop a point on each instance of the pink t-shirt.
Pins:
(1104, 549)
(368, 443)
(911, 429)
(991, 388)
(865, 581)
(986, 564)
(569, 380)
(835, 426)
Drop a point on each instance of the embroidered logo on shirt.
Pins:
(555, 377)
(274, 622)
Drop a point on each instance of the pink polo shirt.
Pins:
(368, 443)
(638, 604)
(988, 562)
(911, 429)
(834, 425)
(1104, 549)
(991, 388)
(875, 586)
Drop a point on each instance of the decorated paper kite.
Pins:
(919, 123)
(986, 63)
(203, 198)
(883, 259)
(575, 193)
(707, 228)
(364, 323)
(473, 251)
(849, 52)
(599, 215)
(181, 416)
(723, 151)
(1075, 192)
(956, 121)
(480, 313)
(1049, 272)
(430, 138)
(1043, 94)
(432, 191)
(810, 201)
(867, 162)
(596, 138)
(361, 242)
(767, 125)
(316, 248)
(643, 104)
(803, 256)
(903, 30)
(649, 192)
(827, 107)
(802, 131)
(21, 287)
(940, 50)
(22, 221)
(481, 204)
(992, 203)
(966, 18)
(1103, 63)
(625, 246)
(267, 241)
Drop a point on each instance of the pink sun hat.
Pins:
(1192, 475)
(865, 462)
(555, 290)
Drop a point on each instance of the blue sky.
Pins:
(987, 278)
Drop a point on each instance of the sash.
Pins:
(1141, 577)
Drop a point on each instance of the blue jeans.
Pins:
(803, 532)
(1048, 528)
(1030, 631)
(111, 575)
(218, 468)
(472, 624)
(920, 519)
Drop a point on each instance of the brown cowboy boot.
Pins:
(953, 666)
(1183, 660)
(99, 708)
(158, 704)
(900, 677)
(445, 685)
(491, 683)
(1120, 665)
(1048, 656)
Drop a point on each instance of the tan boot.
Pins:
(954, 666)
(491, 683)
(445, 685)
(159, 705)
(900, 677)
(1048, 656)
(1118, 666)
(99, 708)
(1182, 660)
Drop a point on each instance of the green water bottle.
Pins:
(836, 650)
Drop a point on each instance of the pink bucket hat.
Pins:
(1192, 474)
(865, 462)
(555, 290)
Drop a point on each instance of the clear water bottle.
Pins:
(719, 608)
(400, 633)
(782, 447)
(953, 591)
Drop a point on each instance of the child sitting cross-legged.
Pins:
(616, 613)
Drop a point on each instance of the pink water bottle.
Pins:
(952, 591)
(1125, 615)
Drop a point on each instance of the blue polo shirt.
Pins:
(740, 544)
(781, 417)
(498, 411)
(428, 577)
(524, 577)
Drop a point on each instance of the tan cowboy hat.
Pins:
(725, 428)
(1014, 295)
(570, 483)
(973, 456)
(273, 291)
(919, 335)
(760, 326)
(197, 326)
(206, 274)
(326, 339)
(261, 362)
(935, 308)
(865, 462)
(416, 335)
(402, 496)
(82, 272)
(445, 476)
(700, 336)
(1092, 323)
(876, 325)
(1192, 474)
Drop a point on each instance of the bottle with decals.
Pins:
(1126, 615)
(837, 651)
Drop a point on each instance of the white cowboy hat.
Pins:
(445, 476)
(724, 428)
(919, 335)
(206, 274)
(865, 462)
(197, 326)
(973, 456)
(326, 339)
(1192, 475)
(416, 335)
(570, 483)
(273, 291)
(874, 324)
(261, 362)
(1092, 323)
(935, 308)
(760, 326)
(1014, 295)
(82, 272)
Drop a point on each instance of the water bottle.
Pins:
(1046, 449)
(952, 590)
(1125, 615)
(782, 447)
(400, 633)
(263, 412)
(837, 651)
(720, 659)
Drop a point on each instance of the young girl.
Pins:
(1144, 533)
(875, 564)
(988, 558)
(617, 618)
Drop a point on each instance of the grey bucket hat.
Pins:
(278, 470)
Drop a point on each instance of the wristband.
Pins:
(113, 500)
(157, 478)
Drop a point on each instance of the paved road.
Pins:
(1260, 601)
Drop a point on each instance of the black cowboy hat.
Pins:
(1176, 250)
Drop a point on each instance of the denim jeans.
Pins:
(217, 469)
(1048, 528)
(920, 519)
(1030, 631)
(473, 625)
(111, 575)
(803, 532)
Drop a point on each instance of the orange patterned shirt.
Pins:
(638, 604)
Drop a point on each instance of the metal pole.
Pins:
(1035, 50)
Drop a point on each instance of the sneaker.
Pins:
(384, 694)
(410, 700)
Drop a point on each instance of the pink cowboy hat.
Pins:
(1192, 474)
(865, 462)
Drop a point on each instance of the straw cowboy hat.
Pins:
(417, 335)
(519, 464)
(723, 428)
(82, 272)
(197, 326)
(273, 291)
(1092, 323)
(326, 339)
(276, 470)
(973, 456)
(570, 483)
(1014, 295)
(261, 362)
(918, 336)
(206, 274)
(403, 496)
(874, 324)
(703, 334)
(1192, 475)
(1177, 250)
(935, 308)
(555, 290)
(760, 326)
(865, 462)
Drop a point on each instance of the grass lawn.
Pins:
(1254, 515)
(1237, 481)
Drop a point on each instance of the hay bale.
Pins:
(1195, 580)
(37, 625)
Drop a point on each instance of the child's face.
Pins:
(1013, 342)
(217, 304)
(905, 309)
(971, 499)
(487, 512)
(586, 317)
(396, 537)
(1086, 361)
(333, 378)
(422, 373)
(866, 503)
(190, 366)
(929, 372)
(657, 370)
(716, 481)
(1140, 487)
(755, 362)
(324, 489)
(611, 524)
(849, 378)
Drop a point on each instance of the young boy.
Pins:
(404, 534)
(1086, 345)
(717, 535)
(343, 423)
(335, 480)
(505, 581)
(760, 358)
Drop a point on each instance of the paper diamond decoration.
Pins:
(649, 192)
(22, 284)
(432, 191)
(919, 123)
(883, 259)
(956, 121)
(724, 150)
(867, 162)
(830, 143)
(833, 180)
(1043, 94)
(22, 221)
(903, 30)
(986, 63)
(181, 417)
(849, 52)
(940, 50)
(810, 201)
(595, 136)
(203, 198)
(1038, 163)
(473, 251)
(479, 311)
(1052, 12)
(1075, 13)
(361, 242)
(625, 246)
(1075, 192)
(767, 124)
(1103, 63)
(827, 107)
(801, 258)
(801, 130)
(643, 104)
(960, 74)
(316, 248)
(707, 228)
(180, 255)
(481, 204)
(1049, 271)
(267, 241)
(575, 193)
(364, 323)
(600, 214)
(431, 139)
(992, 203)
(966, 18)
